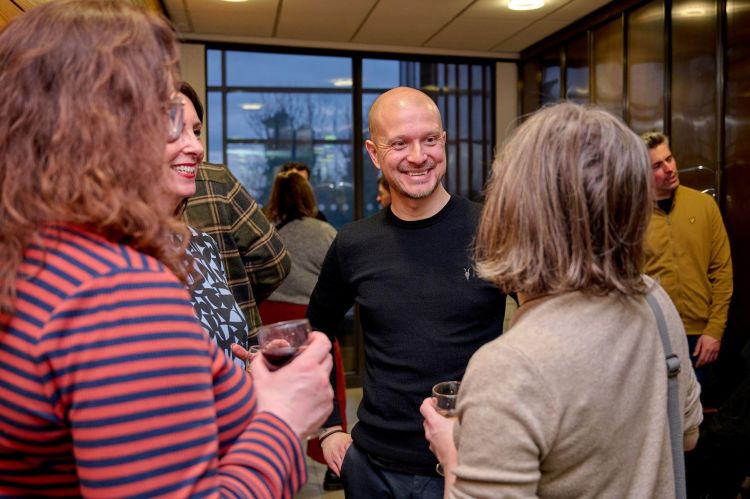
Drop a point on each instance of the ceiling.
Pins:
(481, 28)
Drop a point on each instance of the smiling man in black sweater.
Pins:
(423, 310)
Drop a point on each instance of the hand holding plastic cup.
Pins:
(445, 394)
(281, 341)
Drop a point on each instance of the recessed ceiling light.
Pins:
(525, 4)
(235, 1)
(341, 82)
(252, 106)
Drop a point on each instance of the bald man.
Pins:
(423, 310)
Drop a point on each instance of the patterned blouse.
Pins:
(213, 301)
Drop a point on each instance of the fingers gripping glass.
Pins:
(176, 120)
(445, 394)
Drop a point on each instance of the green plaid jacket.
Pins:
(253, 255)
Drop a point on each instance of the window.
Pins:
(268, 108)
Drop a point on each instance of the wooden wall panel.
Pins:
(8, 10)
(687, 68)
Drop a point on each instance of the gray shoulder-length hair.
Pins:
(567, 206)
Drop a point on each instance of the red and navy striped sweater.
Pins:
(109, 387)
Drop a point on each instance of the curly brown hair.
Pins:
(83, 127)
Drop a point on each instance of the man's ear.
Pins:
(372, 150)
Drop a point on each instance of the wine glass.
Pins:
(281, 341)
(445, 394)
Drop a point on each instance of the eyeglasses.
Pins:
(176, 120)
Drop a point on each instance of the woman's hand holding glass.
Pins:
(300, 392)
(438, 412)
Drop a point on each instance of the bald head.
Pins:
(407, 144)
(395, 100)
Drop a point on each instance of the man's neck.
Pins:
(661, 195)
(419, 209)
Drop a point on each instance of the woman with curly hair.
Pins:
(110, 387)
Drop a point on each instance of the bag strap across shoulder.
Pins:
(673, 400)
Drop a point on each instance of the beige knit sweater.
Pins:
(572, 403)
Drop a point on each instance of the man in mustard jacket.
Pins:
(689, 254)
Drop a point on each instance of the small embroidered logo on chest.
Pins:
(691, 220)
(470, 272)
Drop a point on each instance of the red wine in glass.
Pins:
(281, 341)
(279, 356)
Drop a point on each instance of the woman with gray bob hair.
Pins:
(567, 207)
(571, 401)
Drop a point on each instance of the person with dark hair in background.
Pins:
(304, 171)
(292, 208)
(572, 400)
(297, 167)
(111, 388)
(689, 254)
(384, 192)
(253, 256)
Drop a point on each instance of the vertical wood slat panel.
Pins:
(8, 10)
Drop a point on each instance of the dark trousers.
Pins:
(364, 480)
(700, 372)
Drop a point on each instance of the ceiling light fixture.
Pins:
(235, 1)
(525, 4)
(341, 82)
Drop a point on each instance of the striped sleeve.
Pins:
(109, 387)
(266, 459)
(149, 399)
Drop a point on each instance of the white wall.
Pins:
(506, 101)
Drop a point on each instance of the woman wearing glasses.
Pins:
(108, 384)
(213, 301)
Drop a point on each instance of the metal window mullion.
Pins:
(224, 144)
(488, 145)
(457, 110)
(357, 142)
(470, 124)
(445, 91)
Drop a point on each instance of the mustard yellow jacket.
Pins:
(688, 252)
